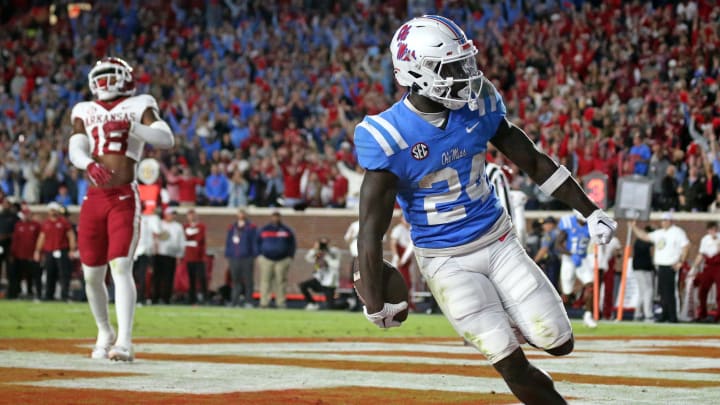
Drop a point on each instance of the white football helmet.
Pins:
(433, 57)
(111, 78)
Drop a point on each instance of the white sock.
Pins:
(97, 297)
(125, 295)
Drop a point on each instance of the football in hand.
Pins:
(394, 288)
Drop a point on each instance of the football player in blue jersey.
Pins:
(427, 152)
(572, 243)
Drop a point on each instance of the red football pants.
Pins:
(710, 275)
(109, 224)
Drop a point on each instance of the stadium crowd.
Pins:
(263, 96)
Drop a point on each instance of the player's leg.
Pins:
(236, 282)
(704, 281)
(529, 298)
(281, 277)
(586, 275)
(266, 276)
(471, 304)
(124, 228)
(567, 277)
(92, 244)
(193, 275)
(247, 275)
(530, 384)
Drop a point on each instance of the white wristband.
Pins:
(555, 180)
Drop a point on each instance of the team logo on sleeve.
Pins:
(419, 151)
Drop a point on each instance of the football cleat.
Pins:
(118, 353)
(102, 347)
(588, 320)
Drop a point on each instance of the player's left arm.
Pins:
(153, 130)
(554, 179)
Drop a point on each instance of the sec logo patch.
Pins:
(419, 151)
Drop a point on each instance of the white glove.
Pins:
(601, 227)
(384, 318)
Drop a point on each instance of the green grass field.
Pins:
(23, 319)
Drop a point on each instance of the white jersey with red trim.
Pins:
(95, 114)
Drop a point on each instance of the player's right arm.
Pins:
(79, 155)
(377, 201)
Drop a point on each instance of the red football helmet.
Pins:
(110, 78)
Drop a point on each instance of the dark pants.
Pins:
(57, 267)
(242, 276)
(163, 278)
(314, 285)
(140, 275)
(28, 270)
(667, 290)
(196, 273)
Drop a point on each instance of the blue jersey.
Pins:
(578, 237)
(443, 189)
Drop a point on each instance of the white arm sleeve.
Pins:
(157, 134)
(79, 151)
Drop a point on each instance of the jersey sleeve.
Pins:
(371, 154)
(145, 101)
(78, 112)
(491, 106)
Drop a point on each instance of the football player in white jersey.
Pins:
(427, 152)
(109, 134)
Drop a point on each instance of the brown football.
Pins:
(394, 288)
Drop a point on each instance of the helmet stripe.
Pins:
(450, 24)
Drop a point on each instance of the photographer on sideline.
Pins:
(326, 260)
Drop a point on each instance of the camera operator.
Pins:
(326, 261)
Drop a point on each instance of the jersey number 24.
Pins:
(476, 187)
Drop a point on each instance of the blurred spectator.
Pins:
(8, 218)
(24, 266)
(241, 250)
(326, 274)
(63, 196)
(231, 89)
(52, 249)
(547, 257)
(145, 251)
(187, 185)
(640, 155)
(708, 257)
(644, 271)
(668, 199)
(670, 245)
(609, 256)
(217, 187)
(195, 249)
(238, 190)
(170, 241)
(276, 247)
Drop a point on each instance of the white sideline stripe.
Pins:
(391, 130)
(378, 138)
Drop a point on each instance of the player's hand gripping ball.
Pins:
(394, 288)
